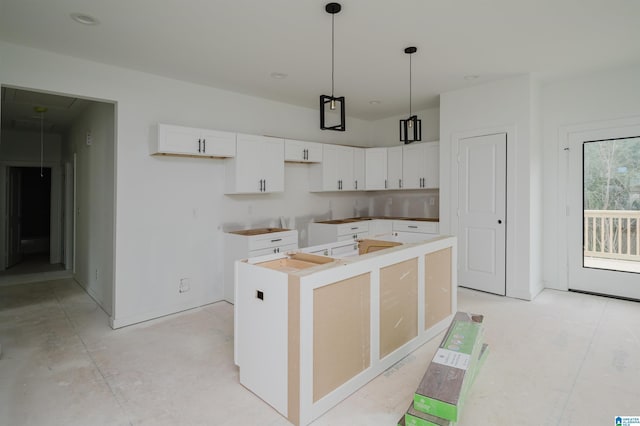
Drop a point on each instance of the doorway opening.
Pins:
(29, 224)
(603, 195)
(611, 214)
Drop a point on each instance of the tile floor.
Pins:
(563, 359)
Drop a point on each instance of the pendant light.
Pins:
(41, 110)
(332, 116)
(410, 128)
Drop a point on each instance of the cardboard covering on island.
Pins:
(451, 370)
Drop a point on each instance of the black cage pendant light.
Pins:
(410, 128)
(331, 107)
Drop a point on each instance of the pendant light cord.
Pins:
(41, 143)
(332, 50)
(410, 86)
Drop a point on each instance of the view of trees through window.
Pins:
(612, 175)
(611, 179)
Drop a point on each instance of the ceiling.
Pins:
(19, 111)
(237, 45)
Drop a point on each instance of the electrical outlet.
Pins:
(185, 285)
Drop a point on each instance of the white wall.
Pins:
(386, 132)
(170, 212)
(501, 106)
(585, 100)
(94, 200)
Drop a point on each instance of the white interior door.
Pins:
(14, 216)
(482, 177)
(604, 212)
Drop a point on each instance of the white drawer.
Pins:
(276, 239)
(416, 226)
(272, 250)
(346, 250)
(353, 237)
(353, 228)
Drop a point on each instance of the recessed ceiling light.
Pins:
(471, 77)
(85, 19)
(278, 75)
(375, 102)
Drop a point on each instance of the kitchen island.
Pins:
(310, 330)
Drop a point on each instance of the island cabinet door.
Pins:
(341, 333)
(398, 305)
(437, 278)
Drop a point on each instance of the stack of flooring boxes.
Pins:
(439, 397)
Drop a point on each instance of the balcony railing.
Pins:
(612, 234)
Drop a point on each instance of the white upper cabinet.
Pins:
(359, 177)
(258, 166)
(394, 167)
(376, 168)
(194, 142)
(335, 173)
(302, 152)
(421, 165)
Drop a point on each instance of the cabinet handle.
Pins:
(204, 145)
(199, 145)
(260, 185)
(385, 184)
(399, 183)
(356, 184)
(413, 226)
(265, 185)
(354, 228)
(276, 240)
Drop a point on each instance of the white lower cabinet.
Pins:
(412, 231)
(332, 231)
(258, 166)
(380, 227)
(250, 243)
(339, 249)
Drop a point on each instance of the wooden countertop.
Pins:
(360, 219)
